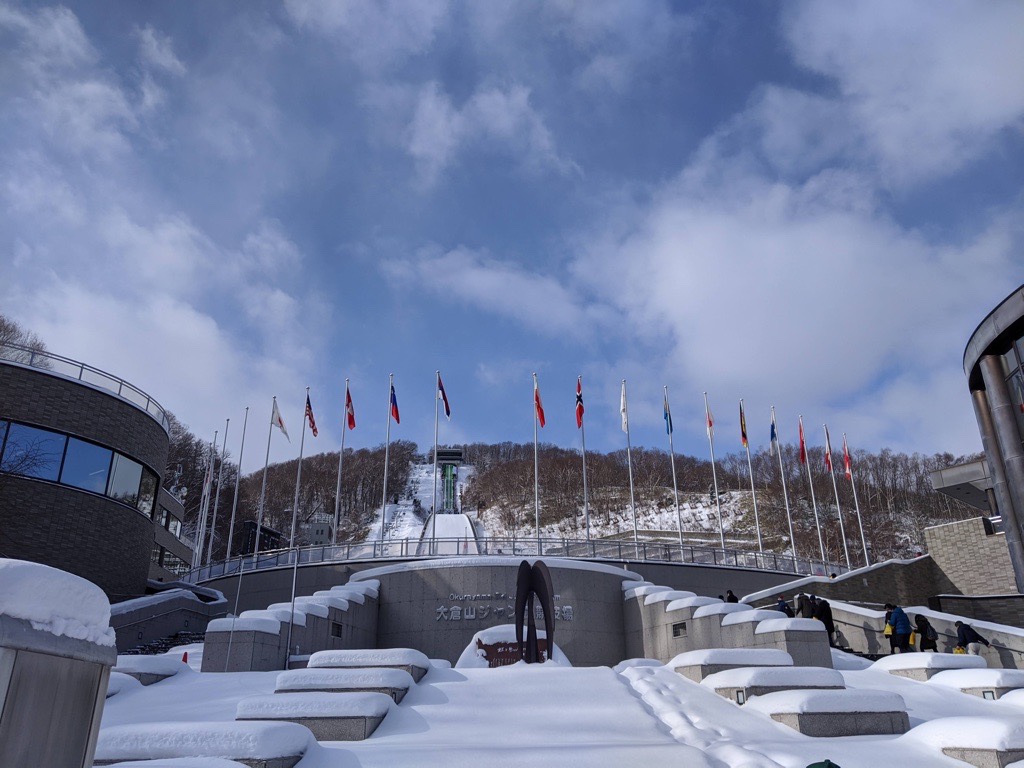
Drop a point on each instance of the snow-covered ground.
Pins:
(640, 713)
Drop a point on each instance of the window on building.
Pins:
(335, 629)
(33, 452)
(174, 526)
(679, 630)
(147, 493)
(86, 466)
(156, 554)
(125, 478)
(175, 564)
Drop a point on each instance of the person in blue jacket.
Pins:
(900, 627)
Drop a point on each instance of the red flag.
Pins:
(350, 412)
(828, 451)
(536, 401)
(309, 415)
(847, 464)
(444, 397)
(803, 445)
(579, 402)
(394, 406)
(743, 426)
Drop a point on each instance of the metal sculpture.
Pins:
(534, 582)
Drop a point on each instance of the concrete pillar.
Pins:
(993, 454)
(1003, 424)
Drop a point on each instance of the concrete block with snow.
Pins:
(412, 661)
(667, 596)
(392, 682)
(644, 590)
(923, 666)
(830, 713)
(985, 742)
(120, 682)
(255, 744)
(738, 628)
(696, 665)
(328, 716)
(741, 684)
(984, 683)
(804, 639)
(705, 625)
(182, 762)
(150, 669)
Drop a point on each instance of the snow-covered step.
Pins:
(393, 682)
(922, 666)
(985, 742)
(741, 684)
(328, 716)
(984, 683)
(828, 713)
(150, 669)
(412, 661)
(696, 665)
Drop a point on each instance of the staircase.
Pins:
(164, 644)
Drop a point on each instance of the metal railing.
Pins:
(404, 549)
(87, 374)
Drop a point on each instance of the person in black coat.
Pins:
(783, 606)
(730, 597)
(969, 639)
(823, 613)
(804, 609)
(926, 634)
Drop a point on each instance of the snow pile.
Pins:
(796, 677)
(473, 656)
(310, 606)
(321, 678)
(150, 665)
(368, 587)
(227, 739)
(183, 762)
(929, 661)
(622, 666)
(691, 602)
(55, 601)
(644, 590)
(979, 678)
(796, 702)
(270, 625)
(789, 625)
(280, 611)
(381, 657)
(633, 584)
(748, 657)
(747, 617)
(279, 706)
(668, 596)
(997, 732)
(325, 601)
(720, 609)
(119, 681)
(343, 593)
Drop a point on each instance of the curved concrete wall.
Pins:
(89, 535)
(437, 606)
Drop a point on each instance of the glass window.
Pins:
(1008, 362)
(86, 466)
(175, 564)
(125, 478)
(33, 452)
(175, 527)
(147, 493)
(155, 554)
(164, 517)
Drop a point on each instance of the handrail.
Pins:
(594, 549)
(87, 374)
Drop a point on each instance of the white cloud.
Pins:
(491, 120)
(157, 51)
(931, 85)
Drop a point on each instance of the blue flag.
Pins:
(668, 417)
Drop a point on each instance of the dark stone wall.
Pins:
(94, 537)
(977, 563)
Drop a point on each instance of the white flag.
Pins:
(622, 409)
(278, 422)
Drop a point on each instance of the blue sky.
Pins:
(810, 206)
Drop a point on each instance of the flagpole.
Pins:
(714, 473)
(433, 515)
(586, 496)
(204, 502)
(785, 492)
(629, 464)
(238, 478)
(298, 475)
(216, 498)
(835, 489)
(341, 458)
(750, 470)
(536, 470)
(675, 486)
(263, 487)
(387, 449)
(860, 523)
(810, 483)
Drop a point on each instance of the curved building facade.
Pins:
(994, 364)
(81, 459)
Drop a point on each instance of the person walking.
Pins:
(823, 613)
(804, 609)
(730, 597)
(968, 638)
(900, 627)
(927, 636)
(783, 606)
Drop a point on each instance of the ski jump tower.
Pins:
(448, 461)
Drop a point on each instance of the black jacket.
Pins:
(965, 634)
(823, 612)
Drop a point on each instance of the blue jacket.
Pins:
(900, 622)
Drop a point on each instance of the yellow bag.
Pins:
(959, 649)
(888, 630)
(913, 638)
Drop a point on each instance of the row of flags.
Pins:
(442, 395)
